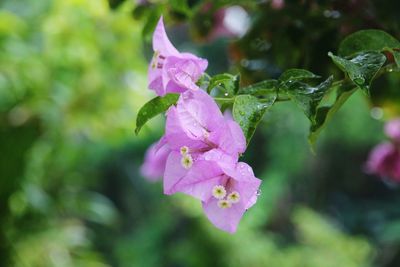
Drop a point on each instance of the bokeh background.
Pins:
(72, 78)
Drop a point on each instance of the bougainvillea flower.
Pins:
(155, 159)
(226, 188)
(392, 130)
(236, 191)
(171, 71)
(198, 124)
(384, 160)
(195, 127)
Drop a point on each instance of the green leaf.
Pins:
(325, 111)
(297, 75)
(228, 83)
(154, 107)
(362, 68)
(180, 6)
(396, 55)
(261, 88)
(367, 40)
(152, 18)
(248, 111)
(307, 97)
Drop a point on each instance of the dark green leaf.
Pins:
(297, 75)
(308, 97)
(262, 88)
(362, 68)
(226, 82)
(367, 40)
(151, 23)
(248, 111)
(154, 107)
(396, 55)
(325, 111)
(180, 6)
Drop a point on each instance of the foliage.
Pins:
(72, 76)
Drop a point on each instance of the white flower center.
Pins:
(184, 150)
(224, 204)
(187, 161)
(225, 200)
(234, 197)
(219, 192)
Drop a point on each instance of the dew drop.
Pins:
(258, 192)
(359, 80)
(226, 94)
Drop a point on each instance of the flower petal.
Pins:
(155, 160)
(176, 135)
(161, 43)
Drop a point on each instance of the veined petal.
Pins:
(176, 135)
(225, 219)
(161, 43)
(199, 113)
(200, 180)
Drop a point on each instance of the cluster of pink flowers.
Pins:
(384, 159)
(199, 152)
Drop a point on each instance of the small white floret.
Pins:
(234, 197)
(219, 192)
(224, 204)
(187, 161)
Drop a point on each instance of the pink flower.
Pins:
(236, 190)
(226, 188)
(194, 127)
(198, 124)
(205, 149)
(155, 160)
(392, 130)
(384, 160)
(171, 71)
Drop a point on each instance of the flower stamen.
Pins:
(233, 197)
(224, 204)
(187, 161)
(184, 150)
(219, 191)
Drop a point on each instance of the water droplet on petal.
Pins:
(258, 192)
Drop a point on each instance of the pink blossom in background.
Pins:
(384, 160)
(392, 130)
(278, 4)
(155, 160)
(171, 71)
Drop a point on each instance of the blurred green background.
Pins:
(72, 78)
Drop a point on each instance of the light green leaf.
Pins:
(367, 40)
(228, 83)
(154, 107)
(362, 68)
(297, 75)
(261, 88)
(248, 112)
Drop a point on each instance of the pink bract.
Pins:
(171, 71)
(392, 130)
(384, 160)
(155, 159)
